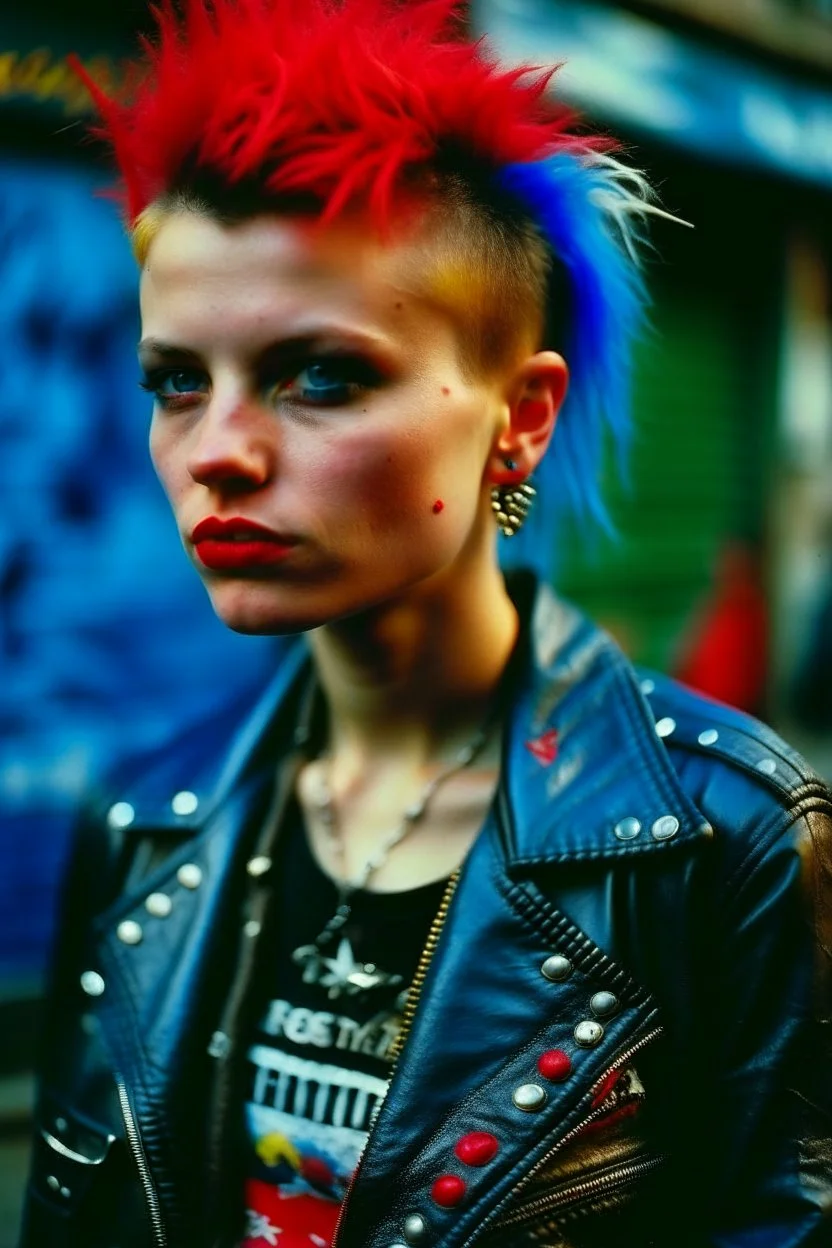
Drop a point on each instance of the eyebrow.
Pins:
(156, 349)
(152, 349)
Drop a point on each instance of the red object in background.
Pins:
(727, 655)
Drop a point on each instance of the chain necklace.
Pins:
(342, 975)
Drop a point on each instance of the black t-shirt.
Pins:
(319, 1059)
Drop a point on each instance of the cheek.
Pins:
(393, 481)
(164, 459)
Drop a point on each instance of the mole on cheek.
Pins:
(438, 506)
(446, 390)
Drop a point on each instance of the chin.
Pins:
(259, 611)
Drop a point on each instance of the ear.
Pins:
(535, 395)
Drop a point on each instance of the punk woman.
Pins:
(465, 932)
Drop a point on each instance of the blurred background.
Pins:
(721, 572)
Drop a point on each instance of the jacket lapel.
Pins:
(582, 765)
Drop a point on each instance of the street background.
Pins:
(721, 569)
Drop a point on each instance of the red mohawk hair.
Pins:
(339, 101)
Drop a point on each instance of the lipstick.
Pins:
(237, 544)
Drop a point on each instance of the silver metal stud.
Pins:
(130, 932)
(61, 1125)
(767, 766)
(219, 1045)
(258, 866)
(664, 828)
(647, 686)
(92, 983)
(121, 815)
(556, 968)
(159, 905)
(588, 1033)
(709, 737)
(627, 829)
(53, 1182)
(251, 928)
(529, 1097)
(665, 726)
(66, 1193)
(184, 803)
(189, 875)
(603, 1004)
(415, 1228)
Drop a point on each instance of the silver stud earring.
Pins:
(511, 504)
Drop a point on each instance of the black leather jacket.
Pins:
(629, 989)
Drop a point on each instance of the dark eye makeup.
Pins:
(328, 379)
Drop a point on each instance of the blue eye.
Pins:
(171, 384)
(331, 382)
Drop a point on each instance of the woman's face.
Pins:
(305, 385)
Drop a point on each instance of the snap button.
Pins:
(120, 815)
(529, 1097)
(92, 983)
(477, 1149)
(665, 726)
(159, 905)
(189, 875)
(709, 737)
(554, 1065)
(258, 866)
(767, 766)
(603, 1004)
(219, 1045)
(588, 1033)
(556, 968)
(415, 1228)
(184, 803)
(448, 1190)
(129, 932)
(627, 829)
(665, 828)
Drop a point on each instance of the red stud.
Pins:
(438, 506)
(477, 1149)
(448, 1190)
(554, 1064)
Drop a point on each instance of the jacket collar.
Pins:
(585, 773)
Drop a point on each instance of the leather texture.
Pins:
(676, 853)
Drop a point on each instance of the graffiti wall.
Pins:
(107, 640)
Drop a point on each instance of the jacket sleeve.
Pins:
(66, 1170)
(771, 1027)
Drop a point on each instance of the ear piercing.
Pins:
(511, 503)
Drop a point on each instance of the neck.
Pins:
(413, 678)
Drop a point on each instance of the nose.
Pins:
(235, 447)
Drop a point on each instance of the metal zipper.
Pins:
(597, 1113)
(408, 1014)
(589, 1187)
(415, 991)
(135, 1143)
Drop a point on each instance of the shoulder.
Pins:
(751, 786)
(178, 782)
(690, 724)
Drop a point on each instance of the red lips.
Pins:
(236, 544)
